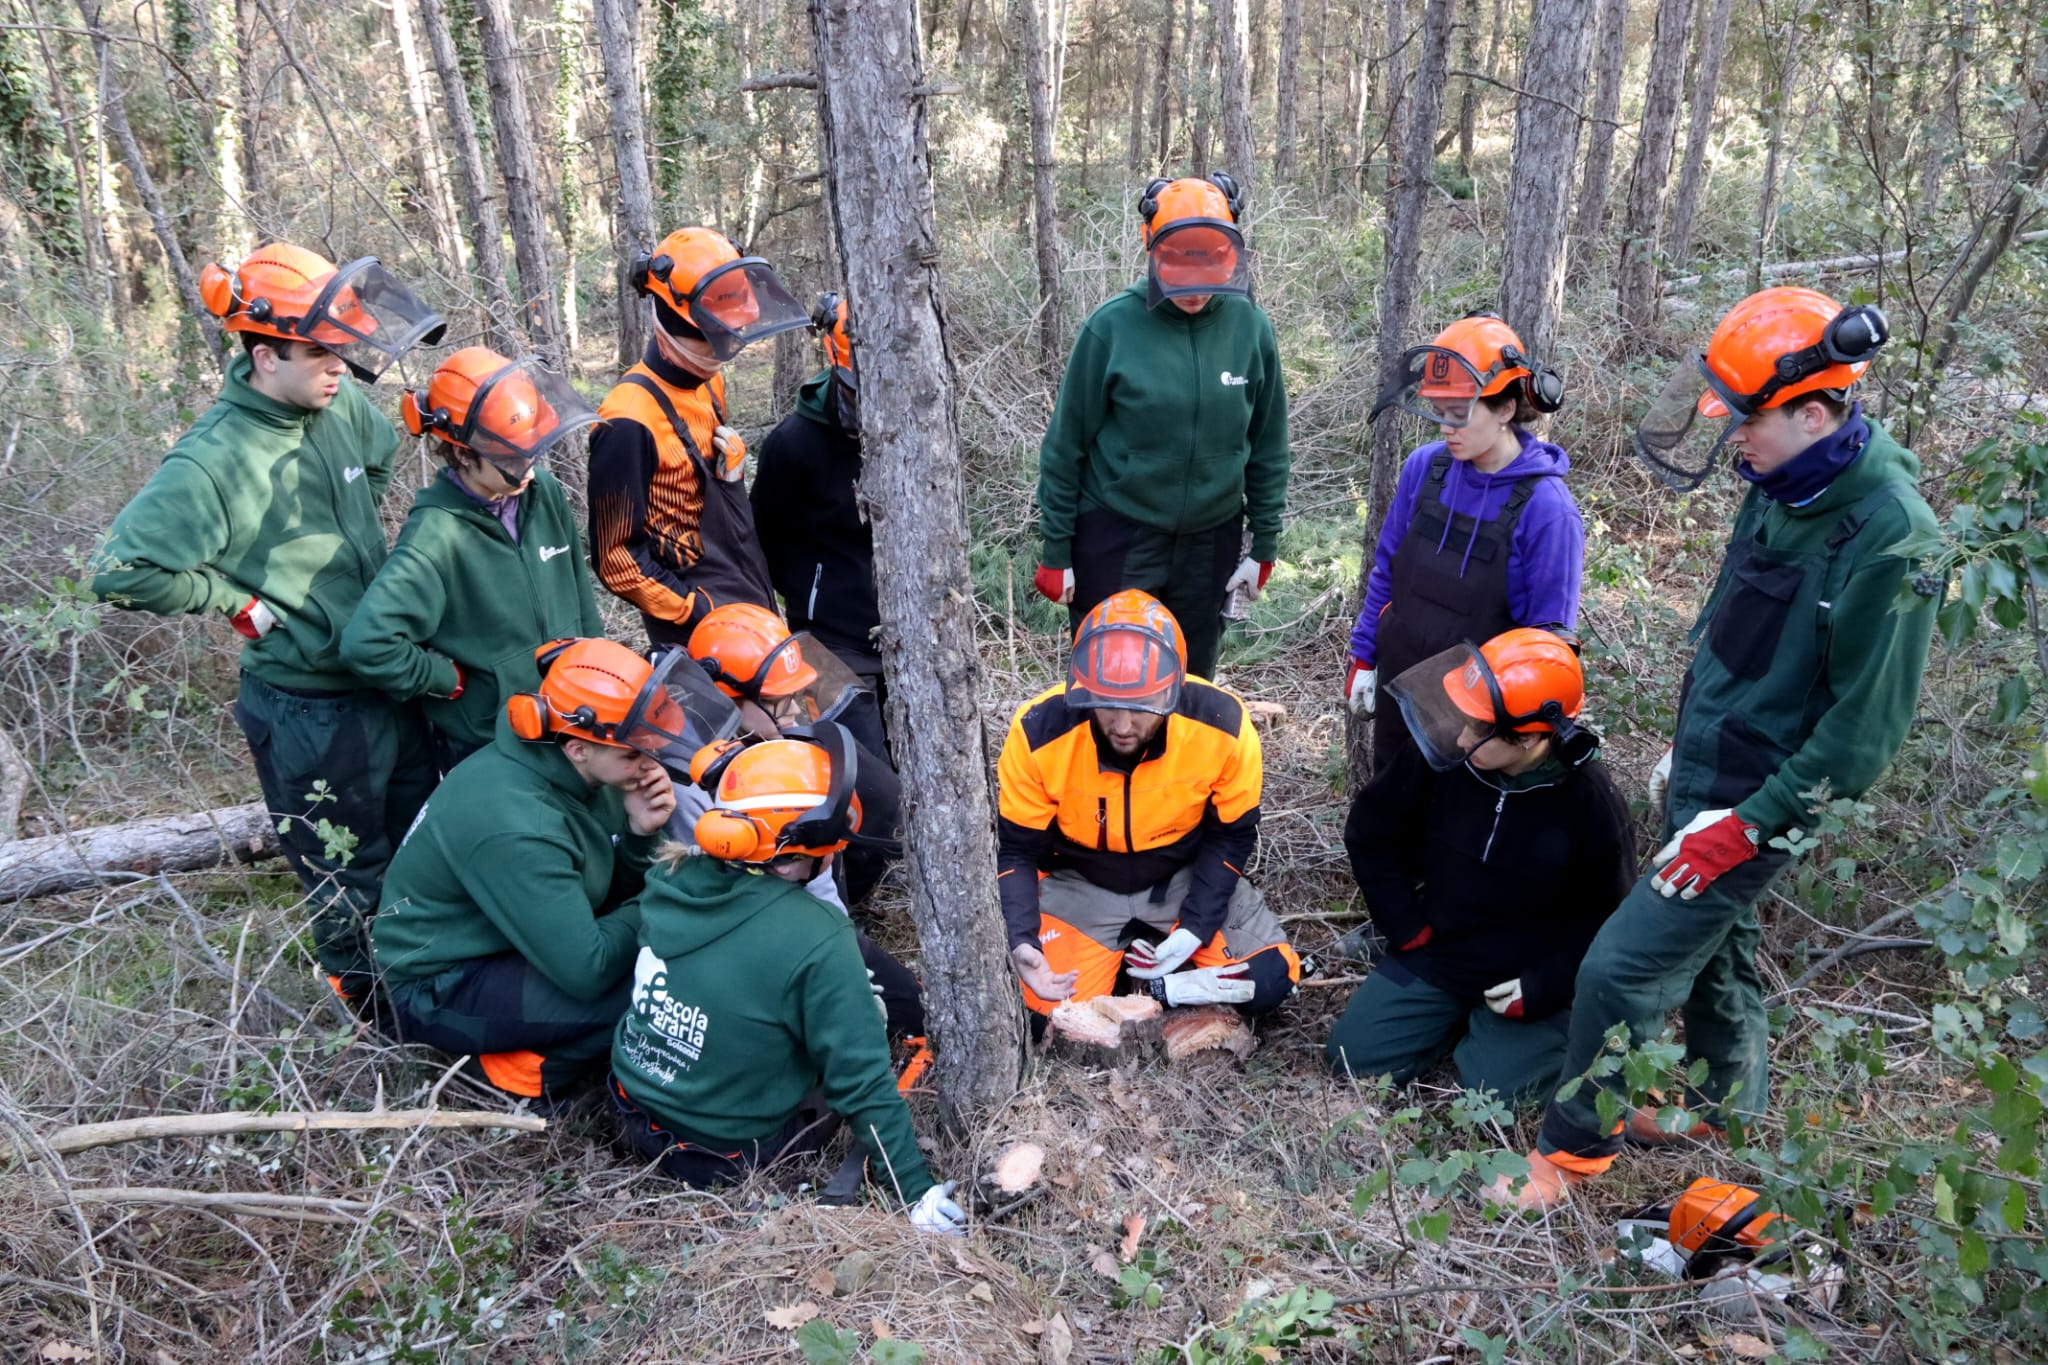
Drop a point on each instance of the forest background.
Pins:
(1611, 174)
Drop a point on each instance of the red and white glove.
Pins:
(461, 681)
(1054, 585)
(1230, 984)
(255, 620)
(1145, 960)
(731, 452)
(1251, 576)
(1506, 999)
(1361, 688)
(1715, 842)
(1660, 780)
(1428, 932)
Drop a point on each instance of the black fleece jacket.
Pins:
(1512, 877)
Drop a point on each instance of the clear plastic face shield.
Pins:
(1439, 386)
(740, 303)
(800, 683)
(514, 417)
(1124, 667)
(1453, 704)
(369, 319)
(1197, 257)
(678, 712)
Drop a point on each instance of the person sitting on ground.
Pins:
(489, 566)
(1490, 852)
(751, 1030)
(1129, 809)
(507, 932)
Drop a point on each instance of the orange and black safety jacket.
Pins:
(1069, 801)
(665, 533)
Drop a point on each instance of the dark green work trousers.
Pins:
(1398, 1025)
(1185, 570)
(522, 1033)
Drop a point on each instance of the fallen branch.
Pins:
(86, 1136)
(140, 849)
(780, 80)
(1316, 983)
(14, 776)
(258, 1203)
(1832, 265)
(1865, 936)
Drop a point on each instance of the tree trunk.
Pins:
(1636, 285)
(880, 186)
(426, 147)
(618, 37)
(1394, 91)
(143, 848)
(1287, 90)
(1767, 207)
(519, 168)
(1468, 96)
(485, 236)
(1162, 92)
(1134, 141)
(114, 111)
(1044, 192)
(1540, 173)
(232, 233)
(1205, 102)
(1234, 68)
(570, 83)
(1713, 46)
(1592, 214)
(1397, 302)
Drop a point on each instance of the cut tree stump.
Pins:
(1109, 1030)
(142, 848)
(1201, 1032)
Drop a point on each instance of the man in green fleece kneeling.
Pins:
(506, 933)
(752, 1024)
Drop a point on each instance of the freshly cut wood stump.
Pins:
(1198, 1031)
(1110, 1030)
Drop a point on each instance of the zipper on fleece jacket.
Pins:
(1500, 803)
(811, 607)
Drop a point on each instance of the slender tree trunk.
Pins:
(1261, 59)
(486, 238)
(1636, 286)
(879, 182)
(1286, 94)
(1468, 94)
(618, 42)
(1394, 88)
(1712, 47)
(1205, 87)
(1408, 196)
(1540, 172)
(1592, 212)
(1162, 92)
(426, 147)
(1234, 68)
(1134, 137)
(519, 168)
(113, 110)
(92, 247)
(232, 232)
(1781, 99)
(1044, 192)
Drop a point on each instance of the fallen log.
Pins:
(84, 1137)
(1107, 1030)
(142, 848)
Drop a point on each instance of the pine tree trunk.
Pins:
(1468, 95)
(1162, 92)
(1592, 213)
(1637, 288)
(485, 236)
(1713, 47)
(618, 37)
(1407, 196)
(879, 181)
(1234, 69)
(1044, 191)
(426, 147)
(1134, 140)
(1205, 86)
(1287, 90)
(1394, 92)
(519, 168)
(1540, 173)
(232, 234)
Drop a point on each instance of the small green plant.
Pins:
(1137, 1284)
(1264, 1330)
(823, 1344)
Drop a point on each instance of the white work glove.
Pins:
(1362, 692)
(1660, 780)
(731, 452)
(876, 987)
(935, 1212)
(255, 620)
(1506, 999)
(1145, 961)
(1230, 984)
(1246, 579)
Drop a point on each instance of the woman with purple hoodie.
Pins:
(1482, 535)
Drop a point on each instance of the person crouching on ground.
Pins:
(506, 932)
(1490, 852)
(752, 1029)
(1134, 789)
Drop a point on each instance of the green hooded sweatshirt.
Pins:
(748, 995)
(1828, 697)
(261, 499)
(1176, 422)
(514, 852)
(458, 589)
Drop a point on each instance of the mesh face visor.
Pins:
(369, 319)
(802, 682)
(1124, 666)
(1680, 437)
(1195, 257)
(1437, 385)
(517, 413)
(678, 712)
(742, 302)
(1451, 702)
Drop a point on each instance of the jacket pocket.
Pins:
(1747, 626)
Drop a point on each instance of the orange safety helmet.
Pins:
(783, 796)
(360, 311)
(671, 272)
(1486, 344)
(1193, 246)
(1527, 672)
(1780, 343)
(273, 289)
(1129, 655)
(596, 690)
(703, 289)
(504, 410)
(743, 647)
(1164, 202)
(828, 315)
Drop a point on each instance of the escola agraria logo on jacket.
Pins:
(1232, 381)
(548, 552)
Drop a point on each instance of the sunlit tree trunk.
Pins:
(1540, 172)
(485, 236)
(1287, 91)
(617, 23)
(1234, 71)
(1044, 191)
(519, 168)
(426, 147)
(1592, 213)
(1637, 287)
(1712, 48)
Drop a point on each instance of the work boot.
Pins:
(1551, 1176)
(1643, 1130)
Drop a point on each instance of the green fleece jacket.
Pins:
(458, 589)
(748, 995)
(514, 852)
(1873, 648)
(1176, 422)
(261, 499)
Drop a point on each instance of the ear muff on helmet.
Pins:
(645, 266)
(1574, 742)
(545, 655)
(709, 763)
(217, 289)
(1148, 198)
(528, 715)
(419, 416)
(825, 312)
(729, 836)
(1233, 193)
(1544, 385)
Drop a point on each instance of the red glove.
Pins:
(255, 620)
(1715, 842)
(1055, 585)
(461, 681)
(1428, 931)
(1265, 572)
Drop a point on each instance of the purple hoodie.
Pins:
(1544, 560)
